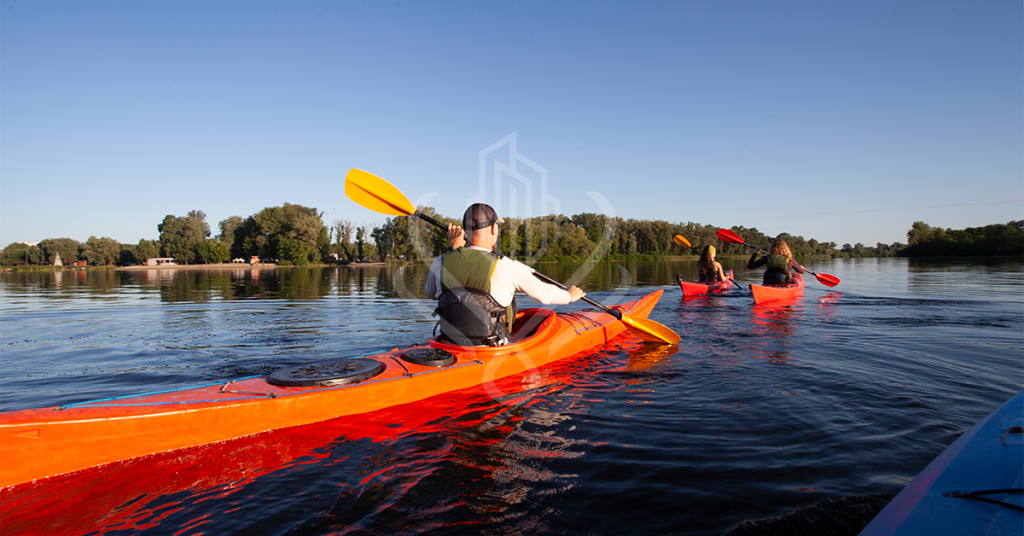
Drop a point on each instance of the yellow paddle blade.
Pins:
(649, 330)
(682, 241)
(377, 194)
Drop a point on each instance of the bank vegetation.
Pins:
(296, 235)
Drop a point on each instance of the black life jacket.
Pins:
(777, 272)
(470, 316)
(707, 274)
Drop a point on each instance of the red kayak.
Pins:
(40, 443)
(700, 289)
(768, 293)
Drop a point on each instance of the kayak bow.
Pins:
(41, 443)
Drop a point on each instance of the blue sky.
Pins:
(844, 122)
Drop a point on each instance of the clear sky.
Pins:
(840, 121)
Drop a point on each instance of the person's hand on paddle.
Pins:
(456, 236)
(575, 293)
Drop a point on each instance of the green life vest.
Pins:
(777, 272)
(470, 316)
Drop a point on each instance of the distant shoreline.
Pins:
(242, 266)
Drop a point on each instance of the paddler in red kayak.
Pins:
(708, 269)
(779, 262)
(475, 287)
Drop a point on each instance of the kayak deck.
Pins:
(766, 293)
(699, 289)
(989, 456)
(40, 443)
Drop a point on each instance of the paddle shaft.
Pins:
(614, 312)
(429, 220)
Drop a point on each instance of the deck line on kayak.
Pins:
(306, 390)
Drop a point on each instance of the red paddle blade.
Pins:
(827, 280)
(728, 236)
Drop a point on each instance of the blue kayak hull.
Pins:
(989, 456)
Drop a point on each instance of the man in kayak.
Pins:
(475, 287)
(708, 269)
(779, 262)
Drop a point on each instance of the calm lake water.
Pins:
(758, 411)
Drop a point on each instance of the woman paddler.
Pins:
(779, 263)
(708, 269)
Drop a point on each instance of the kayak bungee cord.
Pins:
(977, 496)
(99, 404)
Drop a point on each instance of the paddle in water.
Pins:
(682, 241)
(728, 236)
(379, 195)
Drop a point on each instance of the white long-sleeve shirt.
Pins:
(508, 277)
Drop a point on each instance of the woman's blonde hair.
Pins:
(779, 247)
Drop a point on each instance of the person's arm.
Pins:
(433, 286)
(720, 271)
(754, 262)
(521, 277)
(793, 265)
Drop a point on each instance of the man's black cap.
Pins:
(480, 216)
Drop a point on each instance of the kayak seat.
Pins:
(774, 279)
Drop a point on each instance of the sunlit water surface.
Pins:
(758, 411)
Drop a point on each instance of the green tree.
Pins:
(360, 233)
(127, 254)
(919, 232)
(101, 251)
(146, 249)
(18, 253)
(289, 233)
(343, 230)
(180, 236)
(232, 236)
(211, 251)
(66, 247)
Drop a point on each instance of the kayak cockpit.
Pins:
(530, 321)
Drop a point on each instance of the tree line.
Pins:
(294, 234)
(990, 240)
(289, 233)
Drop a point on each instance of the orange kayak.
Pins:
(763, 293)
(700, 289)
(40, 443)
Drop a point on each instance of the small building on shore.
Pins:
(161, 261)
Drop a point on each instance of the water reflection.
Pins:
(965, 277)
(197, 284)
(650, 355)
(773, 325)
